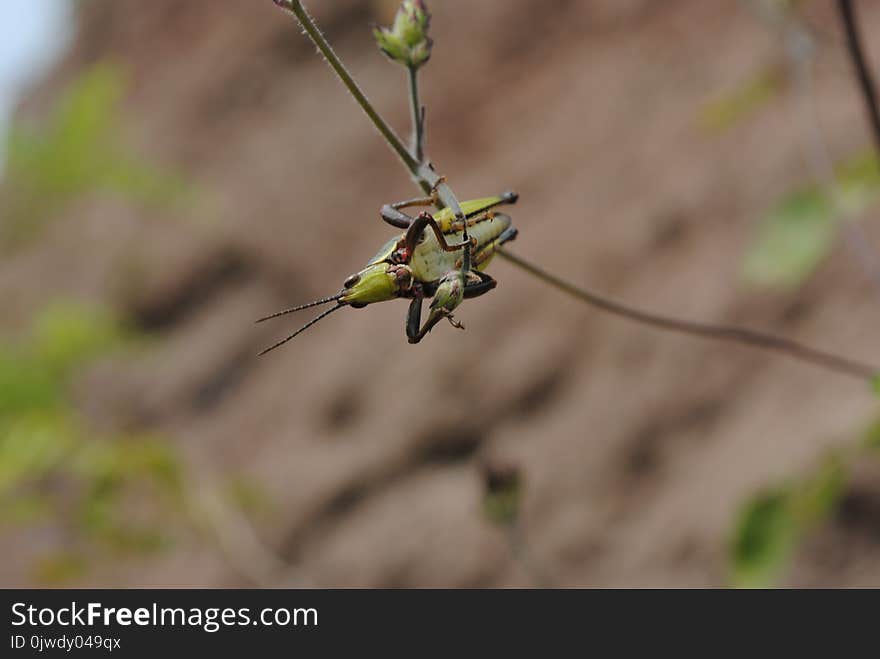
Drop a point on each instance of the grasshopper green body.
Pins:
(429, 263)
(428, 260)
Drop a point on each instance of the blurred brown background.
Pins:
(350, 458)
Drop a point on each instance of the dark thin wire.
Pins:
(708, 331)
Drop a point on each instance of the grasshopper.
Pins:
(419, 263)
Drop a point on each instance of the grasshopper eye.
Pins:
(351, 281)
(403, 276)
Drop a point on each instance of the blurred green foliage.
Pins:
(722, 113)
(248, 495)
(872, 437)
(859, 183)
(764, 537)
(78, 151)
(503, 486)
(799, 232)
(792, 241)
(772, 523)
(502, 507)
(56, 470)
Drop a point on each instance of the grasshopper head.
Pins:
(376, 283)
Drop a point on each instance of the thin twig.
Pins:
(708, 331)
(333, 60)
(863, 73)
(418, 130)
(421, 171)
(446, 196)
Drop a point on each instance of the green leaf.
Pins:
(763, 539)
(773, 522)
(794, 238)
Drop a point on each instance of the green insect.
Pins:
(421, 264)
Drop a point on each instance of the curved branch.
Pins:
(729, 333)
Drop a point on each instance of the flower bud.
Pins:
(407, 40)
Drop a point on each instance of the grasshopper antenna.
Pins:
(304, 327)
(324, 300)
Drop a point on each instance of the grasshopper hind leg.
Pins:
(414, 320)
(485, 253)
(480, 284)
(394, 216)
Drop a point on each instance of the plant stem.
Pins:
(708, 331)
(445, 195)
(308, 24)
(863, 73)
(421, 171)
(418, 132)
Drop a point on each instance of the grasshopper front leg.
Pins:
(453, 288)
(414, 333)
(414, 235)
(450, 293)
